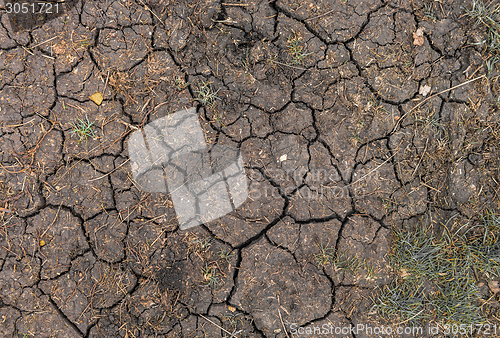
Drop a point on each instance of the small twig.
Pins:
(157, 238)
(161, 104)
(430, 97)
(321, 15)
(128, 124)
(105, 84)
(112, 171)
(281, 319)
(27, 50)
(421, 158)
(20, 125)
(234, 333)
(76, 107)
(145, 118)
(12, 198)
(41, 43)
(226, 4)
(428, 186)
(478, 68)
(51, 224)
(149, 9)
(375, 169)
(208, 320)
(284, 64)
(12, 172)
(145, 105)
(410, 318)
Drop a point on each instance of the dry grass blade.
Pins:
(430, 97)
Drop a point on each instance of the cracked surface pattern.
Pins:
(335, 152)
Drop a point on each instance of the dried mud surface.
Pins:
(335, 152)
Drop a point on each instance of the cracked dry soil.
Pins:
(335, 152)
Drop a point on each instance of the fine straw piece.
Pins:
(430, 97)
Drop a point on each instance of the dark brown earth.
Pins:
(85, 253)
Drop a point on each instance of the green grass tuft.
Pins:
(226, 255)
(401, 300)
(487, 15)
(180, 83)
(346, 263)
(206, 94)
(340, 261)
(455, 302)
(325, 256)
(446, 266)
(83, 129)
(296, 49)
(210, 276)
(417, 254)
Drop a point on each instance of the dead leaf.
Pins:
(231, 308)
(97, 98)
(418, 37)
(494, 287)
(424, 90)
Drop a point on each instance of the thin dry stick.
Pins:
(281, 319)
(12, 172)
(157, 238)
(27, 50)
(430, 97)
(20, 125)
(12, 198)
(76, 107)
(112, 171)
(128, 125)
(421, 158)
(410, 318)
(208, 320)
(226, 4)
(371, 171)
(105, 84)
(284, 64)
(41, 43)
(319, 16)
(51, 224)
(428, 186)
(149, 9)
(145, 105)
(161, 104)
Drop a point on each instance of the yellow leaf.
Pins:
(97, 98)
(230, 308)
(42, 243)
